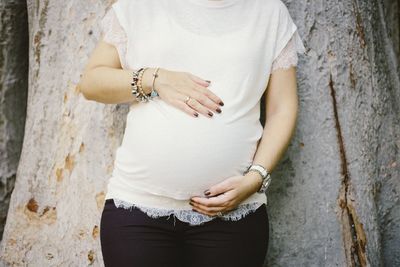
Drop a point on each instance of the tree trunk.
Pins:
(392, 15)
(13, 93)
(334, 197)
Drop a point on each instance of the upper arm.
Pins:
(111, 49)
(104, 54)
(281, 93)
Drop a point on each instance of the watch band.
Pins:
(266, 176)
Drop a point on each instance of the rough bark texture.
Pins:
(54, 213)
(13, 93)
(345, 155)
(392, 15)
(334, 200)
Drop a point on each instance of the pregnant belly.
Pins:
(174, 155)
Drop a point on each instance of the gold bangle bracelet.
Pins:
(144, 96)
(155, 75)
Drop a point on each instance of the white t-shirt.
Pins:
(167, 156)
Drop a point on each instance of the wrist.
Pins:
(160, 81)
(253, 180)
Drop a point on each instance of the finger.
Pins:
(207, 209)
(193, 103)
(219, 188)
(179, 103)
(209, 94)
(225, 207)
(216, 201)
(209, 213)
(201, 96)
(199, 80)
(214, 212)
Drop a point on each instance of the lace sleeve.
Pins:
(288, 56)
(113, 33)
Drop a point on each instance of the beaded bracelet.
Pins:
(139, 84)
(137, 90)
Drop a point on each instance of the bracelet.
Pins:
(139, 84)
(137, 91)
(154, 93)
(266, 176)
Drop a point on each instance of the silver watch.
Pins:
(266, 176)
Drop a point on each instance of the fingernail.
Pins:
(210, 114)
(207, 192)
(219, 110)
(208, 81)
(196, 114)
(194, 210)
(221, 103)
(191, 203)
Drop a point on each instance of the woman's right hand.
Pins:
(174, 87)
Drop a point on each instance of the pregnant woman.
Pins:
(189, 178)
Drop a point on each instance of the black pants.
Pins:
(132, 238)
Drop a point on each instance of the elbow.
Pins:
(84, 87)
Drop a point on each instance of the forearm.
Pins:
(112, 86)
(276, 137)
(278, 131)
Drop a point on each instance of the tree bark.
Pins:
(340, 176)
(334, 198)
(392, 15)
(53, 218)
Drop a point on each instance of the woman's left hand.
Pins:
(227, 195)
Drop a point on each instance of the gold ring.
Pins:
(187, 99)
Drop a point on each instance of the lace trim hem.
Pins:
(288, 56)
(189, 216)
